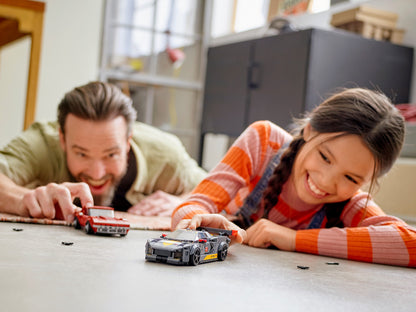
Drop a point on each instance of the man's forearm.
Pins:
(11, 196)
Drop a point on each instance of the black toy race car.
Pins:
(189, 247)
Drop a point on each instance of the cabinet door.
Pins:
(342, 59)
(225, 94)
(278, 94)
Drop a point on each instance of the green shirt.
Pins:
(36, 158)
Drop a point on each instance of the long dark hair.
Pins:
(366, 113)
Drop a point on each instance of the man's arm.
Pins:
(42, 201)
(11, 196)
(35, 158)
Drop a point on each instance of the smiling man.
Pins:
(95, 154)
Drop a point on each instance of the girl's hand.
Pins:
(215, 221)
(265, 233)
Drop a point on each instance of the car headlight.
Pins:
(177, 254)
(149, 249)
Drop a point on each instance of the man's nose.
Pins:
(97, 170)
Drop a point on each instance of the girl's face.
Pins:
(331, 169)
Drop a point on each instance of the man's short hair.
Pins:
(97, 101)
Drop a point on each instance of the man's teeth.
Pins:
(314, 188)
(96, 182)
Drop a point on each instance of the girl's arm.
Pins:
(225, 186)
(369, 235)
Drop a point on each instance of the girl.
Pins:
(303, 193)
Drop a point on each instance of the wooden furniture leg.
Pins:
(27, 18)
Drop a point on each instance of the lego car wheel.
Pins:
(76, 223)
(195, 257)
(222, 251)
(88, 228)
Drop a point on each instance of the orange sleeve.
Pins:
(383, 239)
(237, 171)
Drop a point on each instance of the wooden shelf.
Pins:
(9, 31)
(20, 18)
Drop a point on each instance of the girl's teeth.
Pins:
(314, 188)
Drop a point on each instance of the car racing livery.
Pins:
(189, 247)
(99, 219)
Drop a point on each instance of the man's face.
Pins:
(96, 154)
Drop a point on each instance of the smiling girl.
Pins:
(303, 192)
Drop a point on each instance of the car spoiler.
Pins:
(221, 232)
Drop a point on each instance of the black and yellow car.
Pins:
(189, 247)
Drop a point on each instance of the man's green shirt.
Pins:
(36, 158)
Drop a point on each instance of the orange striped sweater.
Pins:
(369, 234)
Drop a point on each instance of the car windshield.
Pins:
(95, 212)
(183, 235)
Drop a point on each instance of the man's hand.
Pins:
(265, 233)
(215, 221)
(41, 201)
(157, 204)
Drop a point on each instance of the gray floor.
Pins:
(96, 273)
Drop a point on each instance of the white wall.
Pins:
(69, 57)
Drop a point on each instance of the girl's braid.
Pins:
(280, 175)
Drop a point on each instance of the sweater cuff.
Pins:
(307, 241)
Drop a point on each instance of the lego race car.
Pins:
(189, 247)
(99, 219)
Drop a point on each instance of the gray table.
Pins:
(96, 273)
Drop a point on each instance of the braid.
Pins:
(280, 175)
(333, 214)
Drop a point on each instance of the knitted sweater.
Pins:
(369, 234)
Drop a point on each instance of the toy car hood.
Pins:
(166, 244)
(109, 221)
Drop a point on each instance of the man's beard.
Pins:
(106, 198)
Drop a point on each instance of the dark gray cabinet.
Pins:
(281, 77)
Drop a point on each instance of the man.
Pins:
(96, 153)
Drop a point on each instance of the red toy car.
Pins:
(99, 219)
